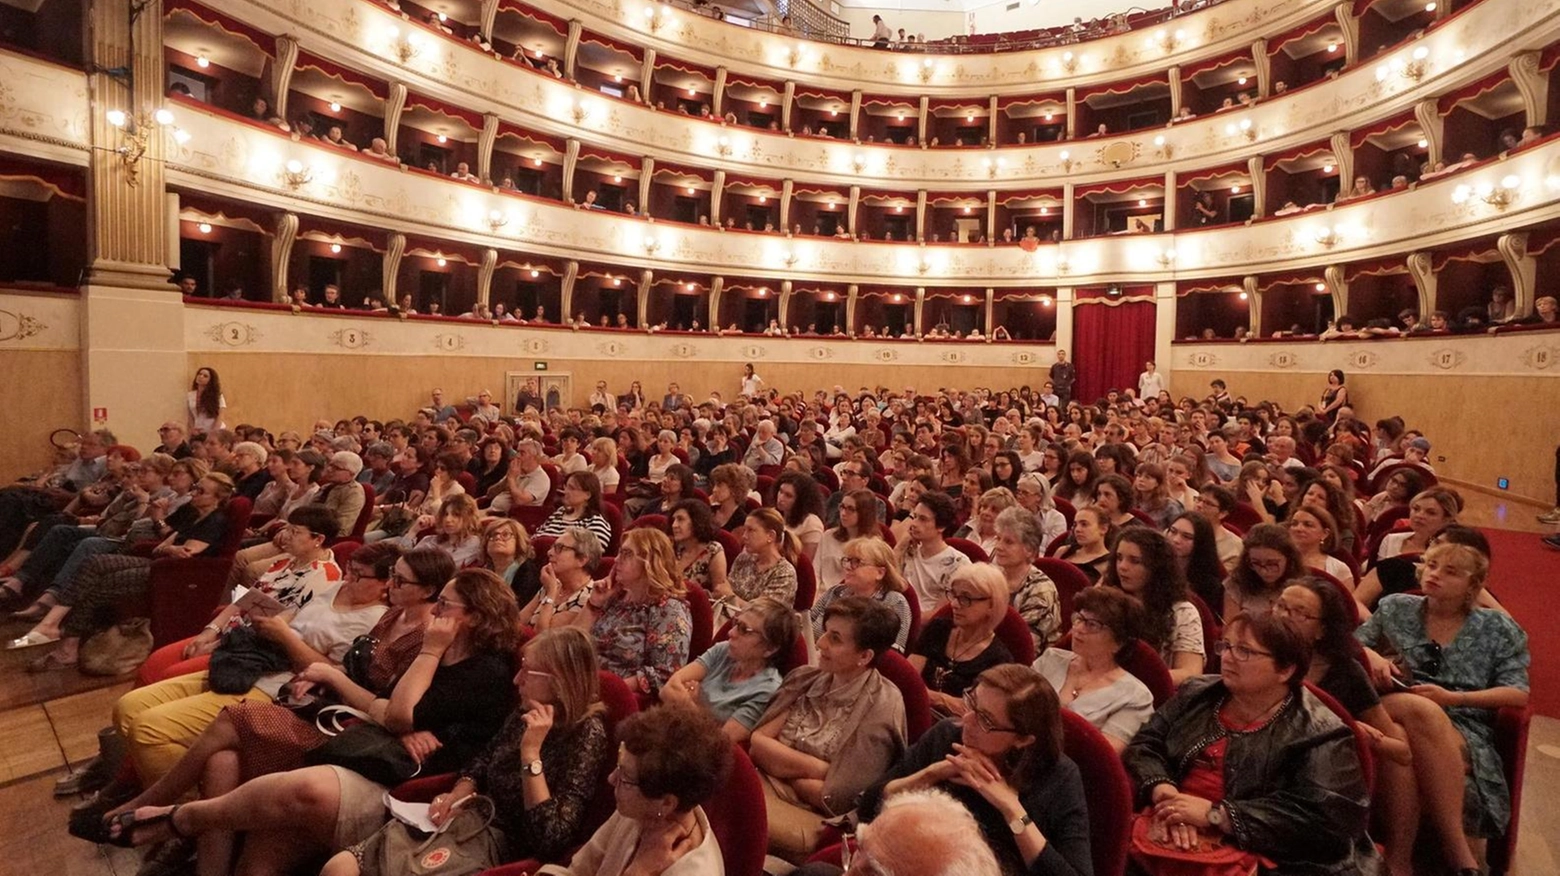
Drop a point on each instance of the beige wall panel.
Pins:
(40, 392)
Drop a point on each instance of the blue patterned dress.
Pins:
(643, 640)
(1489, 651)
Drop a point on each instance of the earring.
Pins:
(659, 812)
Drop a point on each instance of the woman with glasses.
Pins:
(1458, 664)
(701, 559)
(1087, 677)
(506, 550)
(540, 771)
(982, 525)
(581, 506)
(831, 729)
(1143, 566)
(764, 568)
(638, 615)
(1401, 487)
(734, 679)
(956, 647)
(1005, 468)
(1315, 533)
(1002, 759)
(1034, 495)
(445, 707)
(871, 571)
(1268, 561)
(677, 486)
(1033, 592)
(1251, 758)
(258, 738)
(565, 582)
(671, 761)
(858, 519)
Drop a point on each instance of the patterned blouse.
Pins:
(699, 570)
(1039, 605)
(750, 582)
(643, 643)
(572, 762)
(558, 523)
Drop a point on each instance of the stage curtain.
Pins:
(1110, 345)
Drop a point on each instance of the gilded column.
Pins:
(787, 188)
(571, 48)
(855, 114)
(395, 104)
(282, 67)
(646, 278)
(1343, 157)
(647, 77)
(851, 293)
(850, 210)
(1072, 113)
(1338, 288)
(991, 303)
(1172, 196)
(785, 303)
(717, 196)
(571, 158)
(1253, 305)
(1064, 318)
(716, 284)
(920, 305)
(926, 104)
(646, 180)
(285, 234)
(395, 248)
(991, 121)
(787, 102)
(991, 217)
(1067, 211)
(718, 96)
(1422, 268)
(485, 143)
(920, 215)
(1533, 84)
(1349, 23)
(1428, 113)
(1523, 267)
(1164, 328)
(485, 276)
(571, 272)
(1175, 90)
(1254, 168)
(1264, 67)
(488, 15)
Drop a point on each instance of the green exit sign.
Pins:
(539, 366)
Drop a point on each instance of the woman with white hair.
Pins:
(955, 648)
(1034, 496)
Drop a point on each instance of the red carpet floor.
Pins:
(1524, 578)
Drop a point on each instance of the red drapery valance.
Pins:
(686, 67)
(1120, 187)
(67, 182)
(1212, 173)
(336, 71)
(263, 41)
(1358, 138)
(1110, 345)
(469, 117)
(1374, 268)
(1302, 32)
(1272, 161)
(1214, 64)
(1033, 100)
(552, 21)
(1472, 90)
(1482, 255)
(1124, 87)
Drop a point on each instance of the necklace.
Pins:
(1083, 679)
(961, 653)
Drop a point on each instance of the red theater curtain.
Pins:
(1110, 345)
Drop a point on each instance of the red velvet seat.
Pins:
(1383, 526)
(1511, 740)
(886, 534)
(1107, 790)
(1211, 630)
(918, 704)
(701, 630)
(730, 544)
(1069, 582)
(1146, 666)
(765, 486)
(360, 525)
(614, 515)
(738, 817)
(182, 594)
(648, 521)
(1344, 590)
(1378, 482)
(343, 551)
(969, 549)
(1242, 518)
(806, 584)
(826, 478)
(915, 618)
(468, 482)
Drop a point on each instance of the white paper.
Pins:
(410, 814)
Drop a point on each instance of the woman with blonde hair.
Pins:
(1428, 513)
(955, 648)
(603, 463)
(506, 549)
(638, 617)
(982, 525)
(764, 568)
(871, 570)
(456, 531)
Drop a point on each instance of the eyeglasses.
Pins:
(1266, 565)
(441, 603)
(984, 719)
(965, 600)
(559, 547)
(853, 563)
(844, 507)
(505, 534)
(1237, 652)
(1284, 609)
(1432, 664)
(742, 628)
(1081, 621)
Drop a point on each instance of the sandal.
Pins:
(127, 824)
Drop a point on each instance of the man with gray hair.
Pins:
(925, 832)
(526, 482)
(766, 448)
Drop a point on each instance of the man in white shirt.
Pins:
(1150, 383)
(602, 397)
(1281, 451)
(928, 562)
(526, 483)
(880, 33)
(464, 174)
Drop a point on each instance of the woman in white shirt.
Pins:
(801, 505)
(843, 427)
(1088, 680)
(752, 384)
(603, 463)
(664, 458)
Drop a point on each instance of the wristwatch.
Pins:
(1020, 824)
(1216, 819)
(534, 768)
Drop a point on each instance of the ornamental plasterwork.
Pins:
(1023, 357)
(1362, 360)
(684, 351)
(1541, 357)
(885, 355)
(534, 346)
(612, 348)
(18, 326)
(754, 351)
(233, 334)
(1284, 359)
(820, 353)
(1447, 358)
(351, 338)
(41, 101)
(1202, 359)
(450, 343)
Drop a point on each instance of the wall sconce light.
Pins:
(926, 70)
(1244, 129)
(652, 246)
(1327, 168)
(136, 132)
(406, 48)
(923, 267)
(763, 199)
(537, 162)
(1235, 189)
(688, 287)
(1327, 236)
(689, 190)
(296, 173)
(1413, 69)
(656, 16)
(1142, 202)
(1244, 296)
(1162, 147)
(1500, 197)
(1320, 287)
(1069, 61)
(1045, 211)
(335, 106)
(442, 139)
(1167, 40)
(335, 249)
(1332, 48)
(1067, 162)
(535, 273)
(202, 61)
(1423, 143)
(204, 227)
(859, 162)
(496, 220)
(1045, 301)
(723, 147)
(617, 177)
(1241, 81)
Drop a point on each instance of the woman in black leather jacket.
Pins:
(1252, 757)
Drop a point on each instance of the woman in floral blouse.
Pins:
(639, 621)
(764, 568)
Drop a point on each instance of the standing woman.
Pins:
(858, 519)
(638, 617)
(752, 384)
(801, 505)
(700, 557)
(1335, 396)
(764, 568)
(1143, 566)
(204, 402)
(957, 647)
(1462, 664)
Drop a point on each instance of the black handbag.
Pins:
(365, 748)
(306, 703)
(241, 659)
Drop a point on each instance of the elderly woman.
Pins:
(1143, 566)
(734, 679)
(663, 458)
(729, 487)
(831, 729)
(764, 568)
(564, 582)
(701, 558)
(799, 503)
(957, 646)
(87, 603)
(1253, 758)
(446, 706)
(1268, 561)
(260, 737)
(506, 549)
(982, 526)
(670, 761)
(858, 519)
(638, 617)
(581, 506)
(1034, 495)
(1459, 664)
(1034, 593)
(540, 771)
(1002, 759)
(871, 571)
(1088, 678)
(603, 464)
